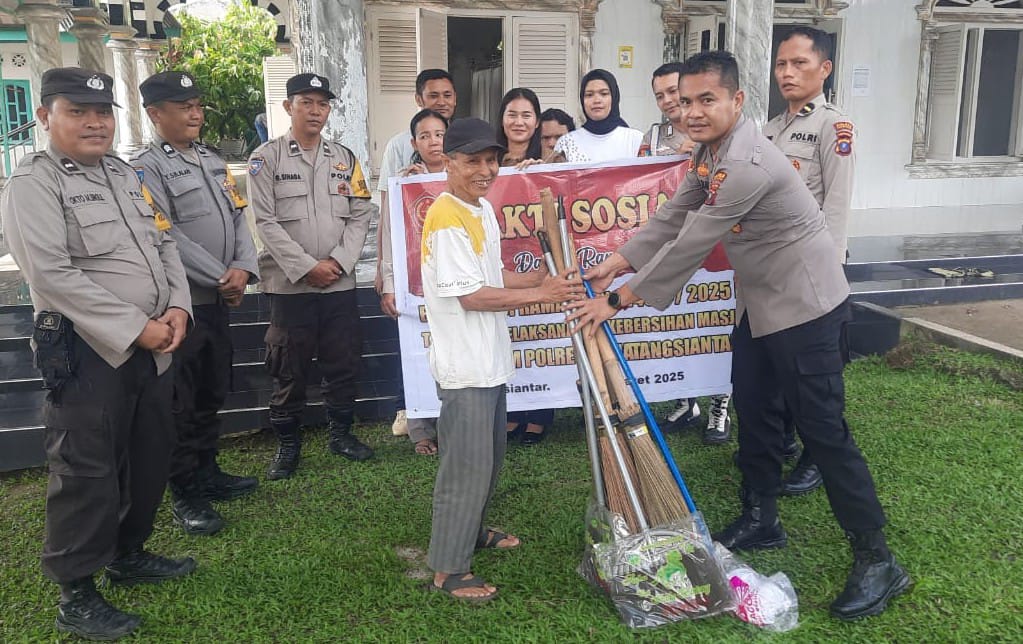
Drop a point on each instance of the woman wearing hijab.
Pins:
(604, 136)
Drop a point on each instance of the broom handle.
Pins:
(591, 442)
(584, 362)
(651, 422)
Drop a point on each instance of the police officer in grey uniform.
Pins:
(313, 210)
(792, 297)
(193, 186)
(818, 140)
(112, 305)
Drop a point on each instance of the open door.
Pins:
(392, 65)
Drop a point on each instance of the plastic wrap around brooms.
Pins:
(649, 549)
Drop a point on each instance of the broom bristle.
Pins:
(662, 501)
(614, 485)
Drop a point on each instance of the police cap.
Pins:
(83, 86)
(305, 83)
(169, 86)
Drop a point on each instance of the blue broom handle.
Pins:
(647, 414)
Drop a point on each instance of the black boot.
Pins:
(217, 485)
(803, 479)
(140, 567)
(342, 443)
(875, 578)
(790, 446)
(289, 448)
(84, 612)
(192, 512)
(757, 527)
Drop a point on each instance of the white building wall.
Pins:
(885, 36)
(635, 23)
(10, 52)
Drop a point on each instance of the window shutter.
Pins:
(392, 65)
(701, 34)
(946, 87)
(432, 33)
(276, 72)
(545, 58)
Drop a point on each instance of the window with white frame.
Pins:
(968, 120)
(975, 89)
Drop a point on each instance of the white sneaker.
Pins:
(719, 427)
(686, 411)
(400, 425)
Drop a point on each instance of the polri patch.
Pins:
(255, 165)
(844, 137)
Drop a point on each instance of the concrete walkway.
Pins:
(998, 321)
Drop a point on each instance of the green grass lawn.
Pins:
(337, 552)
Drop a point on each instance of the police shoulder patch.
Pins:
(255, 165)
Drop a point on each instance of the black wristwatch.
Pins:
(615, 301)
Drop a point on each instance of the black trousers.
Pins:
(202, 379)
(307, 325)
(802, 366)
(108, 438)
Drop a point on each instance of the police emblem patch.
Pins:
(140, 172)
(344, 189)
(737, 228)
(702, 171)
(715, 185)
(255, 165)
(843, 138)
(795, 163)
(340, 167)
(95, 82)
(186, 81)
(315, 82)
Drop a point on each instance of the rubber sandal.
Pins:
(948, 273)
(456, 582)
(980, 272)
(426, 447)
(493, 538)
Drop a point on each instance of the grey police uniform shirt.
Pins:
(750, 199)
(818, 140)
(91, 248)
(206, 210)
(669, 140)
(306, 213)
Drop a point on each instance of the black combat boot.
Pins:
(84, 612)
(342, 443)
(217, 485)
(803, 479)
(875, 578)
(191, 511)
(757, 527)
(140, 567)
(289, 448)
(790, 446)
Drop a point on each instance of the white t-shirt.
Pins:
(397, 155)
(461, 252)
(583, 146)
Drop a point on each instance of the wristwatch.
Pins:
(615, 301)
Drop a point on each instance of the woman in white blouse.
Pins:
(605, 136)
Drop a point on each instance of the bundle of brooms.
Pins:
(662, 566)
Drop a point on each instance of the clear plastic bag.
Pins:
(767, 602)
(659, 576)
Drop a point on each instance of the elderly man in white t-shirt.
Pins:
(435, 90)
(468, 293)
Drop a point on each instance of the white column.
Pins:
(126, 90)
(41, 27)
(749, 27)
(145, 60)
(90, 28)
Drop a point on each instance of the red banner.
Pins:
(605, 206)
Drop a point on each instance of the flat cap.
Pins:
(169, 86)
(78, 85)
